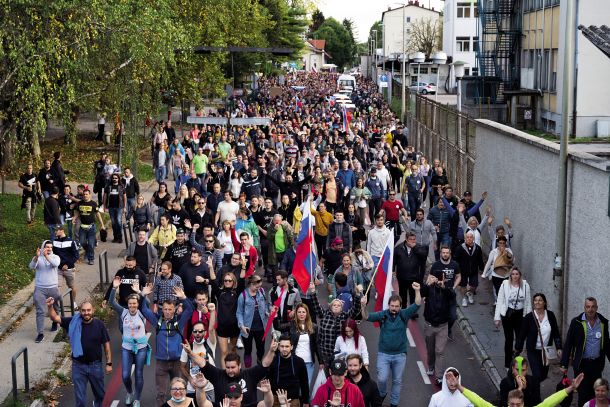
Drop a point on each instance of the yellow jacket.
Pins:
(163, 237)
(323, 221)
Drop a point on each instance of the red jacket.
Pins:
(350, 395)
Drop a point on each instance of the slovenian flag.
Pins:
(345, 127)
(305, 262)
(383, 275)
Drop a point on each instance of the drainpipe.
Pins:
(575, 95)
(562, 185)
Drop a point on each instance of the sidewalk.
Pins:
(14, 336)
(487, 341)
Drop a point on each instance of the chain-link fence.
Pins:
(440, 131)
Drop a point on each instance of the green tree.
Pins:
(317, 19)
(338, 42)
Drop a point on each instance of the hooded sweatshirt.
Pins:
(46, 270)
(369, 389)
(447, 398)
(350, 395)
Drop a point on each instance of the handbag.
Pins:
(510, 311)
(548, 352)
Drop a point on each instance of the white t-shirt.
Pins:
(303, 349)
(228, 211)
(226, 240)
(545, 330)
(198, 349)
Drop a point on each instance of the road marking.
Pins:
(115, 403)
(422, 370)
(410, 337)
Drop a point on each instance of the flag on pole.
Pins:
(276, 304)
(305, 262)
(383, 275)
(344, 115)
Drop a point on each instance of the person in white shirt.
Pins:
(202, 344)
(226, 210)
(384, 177)
(449, 395)
(377, 238)
(351, 341)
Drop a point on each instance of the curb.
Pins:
(21, 311)
(478, 349)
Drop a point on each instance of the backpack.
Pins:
(173, 326)
(385, 317)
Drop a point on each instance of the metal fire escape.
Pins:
(498, 47)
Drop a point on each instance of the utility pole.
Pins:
(402, 82)
(562, 185)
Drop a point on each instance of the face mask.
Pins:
(175, 400)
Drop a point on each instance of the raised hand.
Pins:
(282, 397)
(200, 381)
(416, 286)
(179, 292)
(148, 288)
(116, 282)
(264, 386)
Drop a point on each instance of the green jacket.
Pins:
(393, 330)
(288, 241)
(551, 401)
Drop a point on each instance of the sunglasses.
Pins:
(201, 202)
(228, 281)
(178, 388)
(209, 241)
(198, 331)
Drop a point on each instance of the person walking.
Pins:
(88, 338)
(68, 253)
(45, 264)
(86, 212)
(30, 185)
(514, 301)
(287, 372)
(359, 375)
(393, 342)
(304, 336)
(115, 202)
(406, 269)
(587, 344)
(252, 318)
(52, 212)
(539, 330)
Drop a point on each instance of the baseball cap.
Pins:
(338, 367)
(233, 390)
(179, 231)
(337, 241)
(467, 193)
(58, 227)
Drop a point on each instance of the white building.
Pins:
(460, 21)
(314, 55)
(393, 26)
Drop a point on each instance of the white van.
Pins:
(347, 82)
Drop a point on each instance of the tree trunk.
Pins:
(71, 126)
(6, 144)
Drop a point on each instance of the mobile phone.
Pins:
(276, 336)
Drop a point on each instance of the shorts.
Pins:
(470, 280)
(228, 331)
(68, 276)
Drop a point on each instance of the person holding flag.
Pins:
(393, 321)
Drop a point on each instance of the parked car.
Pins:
(424, 88)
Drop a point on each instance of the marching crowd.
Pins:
(193, 276)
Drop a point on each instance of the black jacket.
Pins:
(188, 272)
(438, 304)
(290, 374)
(369, 389)
(406, 265)
(531, 393)
(67, 251)
(52, 211)
(470, 265)
(575, 341)
(133, 189)
(313, 341)
(529, 333)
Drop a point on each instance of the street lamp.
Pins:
(418, 58)
(375, 55)
(458, 67)
(439, 58)
(404, 63)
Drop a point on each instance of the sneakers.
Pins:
(464, 302)
(90, 262)
(54, 327)
(240, 344)
(39, 338)
(136, 403)
(129, 398)
(470, 297)
(430, 371)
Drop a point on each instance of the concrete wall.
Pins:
(520, 172)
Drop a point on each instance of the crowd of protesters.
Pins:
(224, 221)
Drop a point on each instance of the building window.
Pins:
(408, 19)
(466, 71)
(544, 82)
(462, 44)
(475, 41)
(423, 71)
(434, 70)
(463, 10)
(553, 79)
(475, 71)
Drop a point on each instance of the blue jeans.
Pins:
(161, 173)
(375, 261)
(414, 203)
(83, 373)
(128, 358)
(87, 240)
(396, 364)
(52, 231)
(131, 204)
(309, 367)
(117, 223)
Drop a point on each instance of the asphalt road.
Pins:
(416, 389)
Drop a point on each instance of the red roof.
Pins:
(319, 44)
